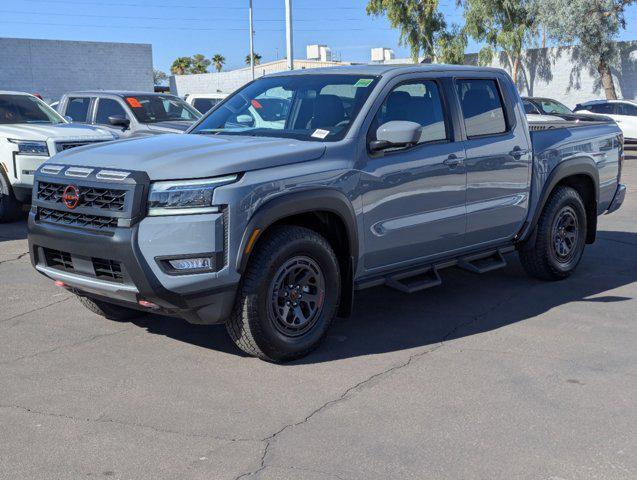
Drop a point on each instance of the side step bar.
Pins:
(481, 263)
(422, 277)
(415, 280)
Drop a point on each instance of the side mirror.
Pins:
(68, 119)
(119, 121)
(396, 134)
(245, 120)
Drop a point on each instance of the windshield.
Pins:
(550, 107)
(26, 109)
(305, 107)
(161, 108)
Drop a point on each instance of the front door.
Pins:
(414, 198)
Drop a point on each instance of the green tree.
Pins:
(451, 46)
(200, 64)
(218, 61)
(419, 22)
(595, 24)
(159, 77)
(506, 25)
(181, 66)
(257, 59)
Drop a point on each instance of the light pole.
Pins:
(251, 42)
(288, 34)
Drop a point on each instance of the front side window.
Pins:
(481, 107)
(417, 102)
(161, 108)
(16, 109)
(108, 107)
(316, 107)
(77, 108)
(627, 109)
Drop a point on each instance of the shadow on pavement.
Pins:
(386, 320)
(14, 230)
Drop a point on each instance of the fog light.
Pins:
(200, 263)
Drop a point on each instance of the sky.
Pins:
(185, 27)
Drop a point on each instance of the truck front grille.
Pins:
(58, 259)
(108, 269)
(76, 219)
(61, 146)
(101, 198)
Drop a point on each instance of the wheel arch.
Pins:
(582, 175)
(326, 211)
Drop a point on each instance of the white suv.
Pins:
(30, 133)
(624, 112)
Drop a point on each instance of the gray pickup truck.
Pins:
(269, 215)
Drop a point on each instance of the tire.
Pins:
(560, 239)
(110, 311)
(10, 207)
(262, 324)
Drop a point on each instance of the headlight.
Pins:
(31, 147)
(185, 197)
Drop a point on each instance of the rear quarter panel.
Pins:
(598, 144)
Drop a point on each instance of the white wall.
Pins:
(53, 67)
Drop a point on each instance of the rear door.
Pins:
(78, 108)
(498, 158)
(413, 198)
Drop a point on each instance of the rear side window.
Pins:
(108, 108)
(417, 102)
(205, 104)
(77, 108)
(481, 107)
(604, 108)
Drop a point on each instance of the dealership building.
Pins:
(53, 67)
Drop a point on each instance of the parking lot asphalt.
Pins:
(486, 377)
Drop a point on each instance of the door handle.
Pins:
(453, 161)
(517, 152)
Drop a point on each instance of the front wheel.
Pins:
(560, 239)
(288, 296)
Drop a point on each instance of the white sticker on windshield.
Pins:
(318, 133)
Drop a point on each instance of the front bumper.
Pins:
(198, 298)
(618, 199)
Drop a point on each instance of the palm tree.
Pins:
(257, 59)
(181, 66)
(218, 61)
(200, 64)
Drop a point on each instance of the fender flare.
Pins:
(306, 201)
(568, 168)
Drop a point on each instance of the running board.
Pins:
(414, 280)
(483, 263)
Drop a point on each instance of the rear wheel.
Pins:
(110, 311)
(560, 239)
(288, 296)
(9, 205)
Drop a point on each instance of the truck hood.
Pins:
(63, 131)
(178, 156)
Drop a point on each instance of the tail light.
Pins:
(620, 138)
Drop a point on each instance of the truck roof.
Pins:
(387, 69)
(119, 93)
(9, 92)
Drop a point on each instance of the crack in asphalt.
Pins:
(344, 396)
(104, 420)
(20, 256)
(67, 345)
(18, 315)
